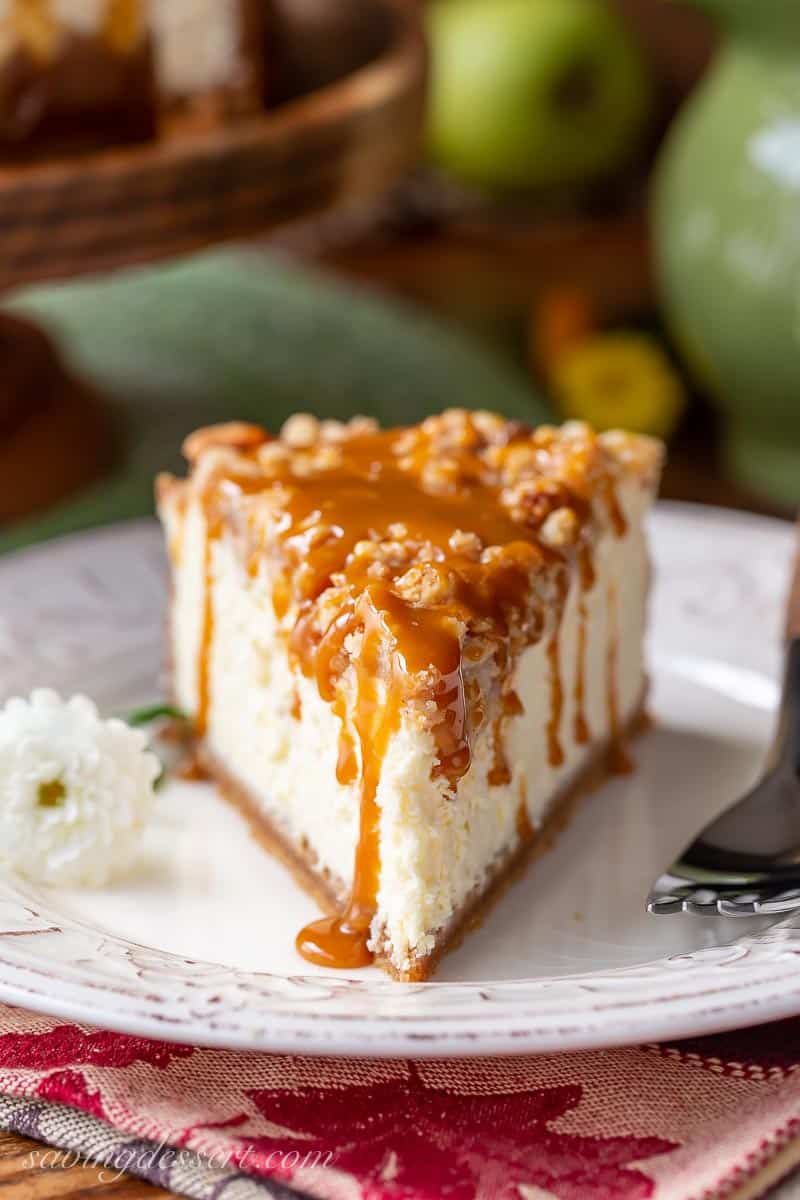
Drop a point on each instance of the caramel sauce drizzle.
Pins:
(35, 24)
(192, 770)
(555, 749)
(620, 761)
(123, 26)
(372, 646)
(525, 830)
(618, 521)
(581, 731)
(206, 634)
(500, 772)
(586, 575)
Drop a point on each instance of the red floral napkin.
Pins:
(719, 1116)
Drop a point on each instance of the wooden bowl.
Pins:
(55, 436)
(343, 142)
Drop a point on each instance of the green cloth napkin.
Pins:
(245, 335)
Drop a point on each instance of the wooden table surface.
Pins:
(20, 1179)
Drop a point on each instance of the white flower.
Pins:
(75, 790)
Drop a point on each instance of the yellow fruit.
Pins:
(619, 381)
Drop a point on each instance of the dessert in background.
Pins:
(78, 73)
(403, 651)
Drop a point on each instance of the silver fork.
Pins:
(747, 862)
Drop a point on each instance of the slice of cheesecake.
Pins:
(404, 651)
(74, 74)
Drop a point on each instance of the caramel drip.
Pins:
(581, 730)
(343, 941)
(281, 594)
(296, 707)
(346, 760)
(555, 750)
(206, 639)
(124, 25)
(374, 636)
(347, 767)
(214, 523)
(619, 759)
(500, 772)
(618, 521)
(525, 831)
(586, 571)
(192, 770)
(586, 574)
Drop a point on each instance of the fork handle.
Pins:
(786, 751)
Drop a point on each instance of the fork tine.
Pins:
(741, 904)
(701, 900)
(785, 900)
(663, 906)
(774, 898)
(690, 898)
(704, 901)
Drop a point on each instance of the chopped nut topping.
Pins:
(635, 452)
(332, 431)
(471, 520)
(232, 435)
(441, 475)
(560, 529)
(467, 544)
(359, 426)
(575, 429)
(273, 456)
(166, 487)
(326, 457)
(426, 583)
(489, 425)
(219, 461)
(301, 431)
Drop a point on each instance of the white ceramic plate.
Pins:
(197, 945)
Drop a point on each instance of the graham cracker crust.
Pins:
(329, 892)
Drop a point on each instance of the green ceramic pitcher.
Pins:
(726, 217)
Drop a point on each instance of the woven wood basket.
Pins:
(344, 142)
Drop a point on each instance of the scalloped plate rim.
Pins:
(680, 996)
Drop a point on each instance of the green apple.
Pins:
(533, 94)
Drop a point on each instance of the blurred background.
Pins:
(552, 208)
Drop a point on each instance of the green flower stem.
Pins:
(156, 712)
